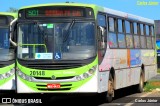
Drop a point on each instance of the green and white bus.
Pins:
(82, 48)
(7, 54)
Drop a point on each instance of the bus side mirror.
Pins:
(101, 36)
(12, 25)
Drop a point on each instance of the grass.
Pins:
(149, 86)
(152, 84)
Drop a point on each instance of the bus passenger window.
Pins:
(129, 41)
(121, 41)
(121, 35)
(135, 35)
(141, 29)
(148, 37)
(152, 36)
(135, 29)
(142, 37)
(147, 30)
(127, 26)
(120, 26)
(136, 41)
(111, 24)
(113, 40)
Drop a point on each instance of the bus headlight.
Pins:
(24, 76)
(92, 70)
(12, 71)
(28, 78)
(7, 74)
(19, 73)
(87, 74)
(78, 78)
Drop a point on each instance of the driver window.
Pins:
(102, 22)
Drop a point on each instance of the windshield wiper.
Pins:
(68, 31)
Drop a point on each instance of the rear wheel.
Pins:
(141, 83)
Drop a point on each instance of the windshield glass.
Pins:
(58, 41)
(6, 53)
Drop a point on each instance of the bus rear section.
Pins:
(7, 53)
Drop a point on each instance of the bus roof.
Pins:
(15, 15)
(99, 8)
(60, 4)
(128, 16)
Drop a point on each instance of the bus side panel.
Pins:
(103, 81)
(117, 60)
(148, 59)
(136, 75)
(114, 59)
(120, 78)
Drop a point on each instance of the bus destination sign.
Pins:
(55, 12)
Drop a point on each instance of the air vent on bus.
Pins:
(61, 89)
(54, 66)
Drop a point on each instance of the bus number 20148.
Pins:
(37, 73)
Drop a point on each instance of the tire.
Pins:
(110, 93)
(141, 84)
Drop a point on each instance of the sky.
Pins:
(129, 6)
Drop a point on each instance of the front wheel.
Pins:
(110, 93)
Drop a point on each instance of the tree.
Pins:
(12, 9)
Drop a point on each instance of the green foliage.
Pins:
(151, 85)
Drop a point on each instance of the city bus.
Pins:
(7, 54)
(82, 48)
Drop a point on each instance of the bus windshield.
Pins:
(5, 52)
(58, 41)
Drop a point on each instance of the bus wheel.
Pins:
(141, 84)
(110, 92)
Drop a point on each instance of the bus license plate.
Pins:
(52, 86)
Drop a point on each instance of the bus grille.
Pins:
(63, 87)
(49, 78)
(54, 66)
